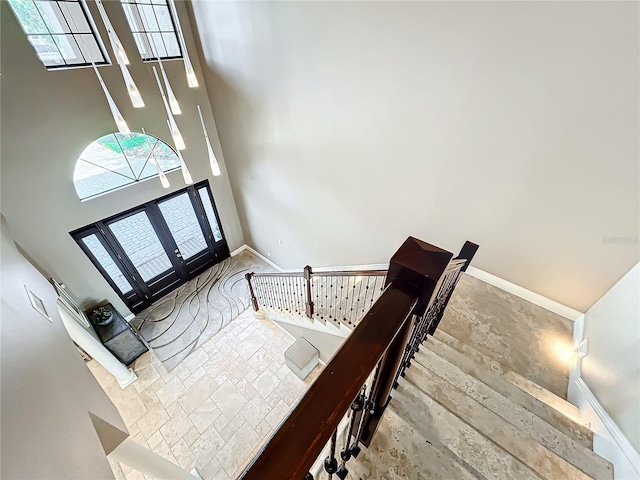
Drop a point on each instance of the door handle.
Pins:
(178, 254)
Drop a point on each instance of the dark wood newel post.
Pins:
(254, 300)
(415, 268)
(467, 252)
(307, 279)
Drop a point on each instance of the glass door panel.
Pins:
(183, 225)
(203, 192)
(141, 244)
(106, 262)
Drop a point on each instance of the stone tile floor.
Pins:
(216, 408)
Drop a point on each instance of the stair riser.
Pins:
(540, 431)
(519, 381)
(522, 446)
(437, 424)
(565, 425)
(399, 452)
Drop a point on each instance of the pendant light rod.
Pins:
(123, 128)
(132, 89)
(192, 80)
(121, 59)
(118, 49)
(173, 126)
(152, 156)
(213, 161)
(183, 165)
(173, 101)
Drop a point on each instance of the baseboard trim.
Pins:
(518, 291)
(257, 254)
(528, 295)
(612, 427)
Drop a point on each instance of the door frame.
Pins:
(219, 250)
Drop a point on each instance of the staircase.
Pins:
(459, 415)
(427, 406)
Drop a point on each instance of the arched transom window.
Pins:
(115, 161)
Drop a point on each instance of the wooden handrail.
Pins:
(292, 449)
(325, 273)
(278, 274)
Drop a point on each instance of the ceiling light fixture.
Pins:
(123, 128)
(121, 59)
(183, 165)
(173, 126)
(132, 89)
(215, 168)
(118, 49)
(192, 80)
(173, 101)
(152, 156)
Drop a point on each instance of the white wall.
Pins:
(49, 117)
(350, 125)
(612, 367)
(47, 391)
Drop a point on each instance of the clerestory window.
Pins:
(154, 29)
(116, 161)
(62, 32)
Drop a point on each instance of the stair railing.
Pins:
(359, 378)
(339, 297)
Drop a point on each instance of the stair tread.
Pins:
(532, 441)
(441, 427)
(515, 378)
(553, 417)
(399, 452)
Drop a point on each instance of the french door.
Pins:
(148, 251)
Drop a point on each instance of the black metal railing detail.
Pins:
(340, 298)
(427, 323)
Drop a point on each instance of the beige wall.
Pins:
(49, 117)
(47, 391)
(350, 125)
(612, 367)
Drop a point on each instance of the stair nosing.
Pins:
(546, 412)
(510, 375)
(405, 389)
(587, 462)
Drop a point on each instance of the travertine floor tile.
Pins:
(219, 405)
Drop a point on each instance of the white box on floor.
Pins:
(301, 358)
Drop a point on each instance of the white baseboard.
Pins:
(536, 299)
(259, 255)
(528, 295)
(630, 459)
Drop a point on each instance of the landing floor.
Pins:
(523, 337)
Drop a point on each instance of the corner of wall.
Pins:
(609, 441)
